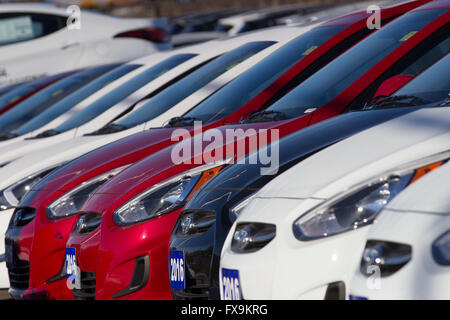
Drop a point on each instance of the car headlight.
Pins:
(441, 249)
(166, 196)
(11, 196)
(357, 207)
(237, 209)
(71, 203)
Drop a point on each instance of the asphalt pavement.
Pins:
(4, 295)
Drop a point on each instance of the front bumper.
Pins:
(289, 269)
(421, 278)
(38, 256)
(198, 254)
(134, 260)
(5, 217)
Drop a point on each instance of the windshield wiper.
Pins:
(45, 134)
(8, 136)
(109, 128)
(397, 101)
(182, 121)
(266, 116)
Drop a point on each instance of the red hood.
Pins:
(117, 154)
(129, 180)
(114, 155)
(159, 167)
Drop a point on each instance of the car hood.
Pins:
(152, 170)
(366, 155)
(51, 156)
(106, 158)
(129, 180)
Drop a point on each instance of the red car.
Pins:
(22, 92)
(42, 242)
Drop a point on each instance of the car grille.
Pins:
(87, 284)
(19, 274)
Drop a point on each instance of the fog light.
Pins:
(441, 249)
(88, 222)
(250, 237)
(23, 216)
(389, 257)
(196, 222)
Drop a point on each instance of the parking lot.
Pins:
(260, 150)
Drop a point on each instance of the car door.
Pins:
(33, 45)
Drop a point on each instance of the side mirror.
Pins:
(390, 85)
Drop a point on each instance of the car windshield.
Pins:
(123, 91)
(241, 90)
(193, 82)
(433, 85)
(24, 89)
(9, 88)
(338, 75)
(73, 99)
(28, 109)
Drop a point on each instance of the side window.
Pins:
(414, 63)
(19, 27)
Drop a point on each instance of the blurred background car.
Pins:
(37, 40)
(263, 18)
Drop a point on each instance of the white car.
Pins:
(303, 234)
(45, 157)
(407, 253)
(262, 18)
(39, 39)
(327, 13)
